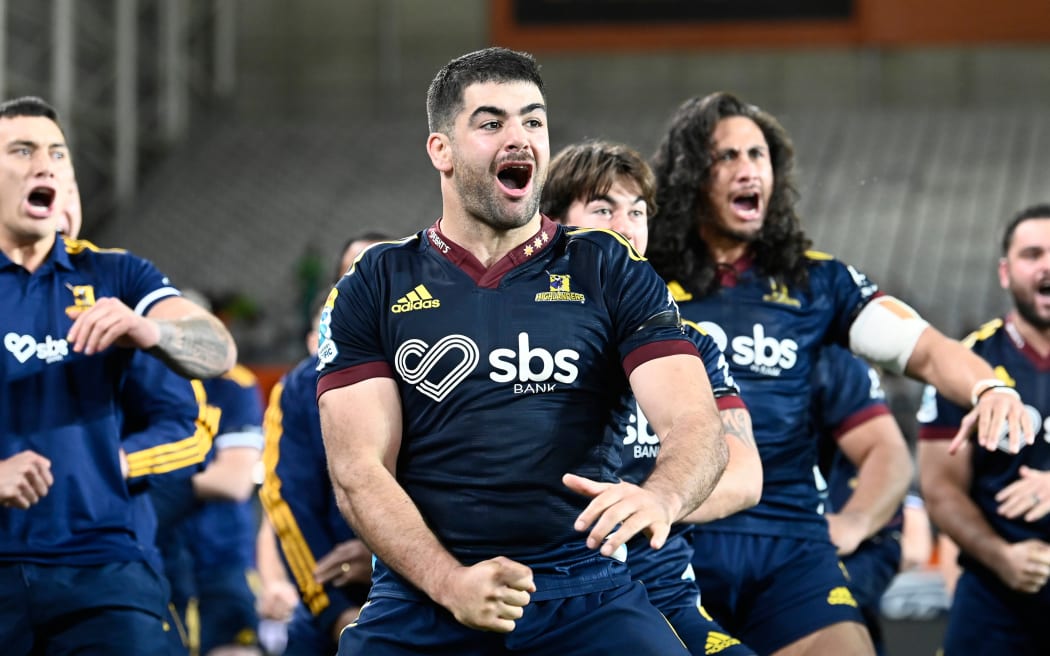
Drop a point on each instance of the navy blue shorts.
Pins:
(227, 608)
(616, 621)
(306, 637)
(89, 610)
(771, 591)
(702, 635)
(987, 618)
(871, 569)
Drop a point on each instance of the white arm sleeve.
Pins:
(885, 333)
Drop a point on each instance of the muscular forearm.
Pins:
(693, 456)
(385, 518)
(741, 484)
(195, 347)
(882, 482)
(948, 365)
(958, 517)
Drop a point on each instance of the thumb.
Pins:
(515, 575)
(584, 486)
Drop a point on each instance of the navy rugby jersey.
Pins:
(1018, 365)
(160, 407)
(64, 405)
(509, 377)
(772, 336)
(641, 445)
(222, 532)
(849, 393)
(297, 493)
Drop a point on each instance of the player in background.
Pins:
(331, 568)
(73, 317)
(608, 186)
(994, 504)
(730, 244)
(850, 416)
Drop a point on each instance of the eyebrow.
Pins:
(605, 197)
(502, 113)
(33, 144)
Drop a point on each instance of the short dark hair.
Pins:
(1038, 211)
(587, 170)
(683, 163)
(372, 235)
(28, 106)
(445, 95)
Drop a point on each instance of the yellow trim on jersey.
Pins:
(241, 375)
(634, 254)
(296, 551)
(984, 332)
(694, 326)
(75, 246)
(678, 292)
(819, 255)
(188, 451)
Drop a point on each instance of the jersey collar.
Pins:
(729, 274)
(491, 276)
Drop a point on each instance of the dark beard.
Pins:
(1027, 311)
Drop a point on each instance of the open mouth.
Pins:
(1043, 289)
(746, 203)
(514, 176)
(41, 201)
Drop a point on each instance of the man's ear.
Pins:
(440, 150)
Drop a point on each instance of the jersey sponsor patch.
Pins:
(560, 290)
(779, 294)
(417, 299)
(415, 360)
(83, 297)
(718, 642)
(24, 347)
(841, 596)
(326, 348)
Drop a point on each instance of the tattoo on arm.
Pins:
(737, 422)
(195, 347)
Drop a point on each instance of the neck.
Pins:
(725, 249)
(1037, 338)
(487, 243)
(29, 254)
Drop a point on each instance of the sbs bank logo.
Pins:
(758, 352)
(435, 370)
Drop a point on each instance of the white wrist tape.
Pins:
(983, 386)
(885, 333)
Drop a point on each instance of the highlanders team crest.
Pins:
(83, 297)
(560, 290)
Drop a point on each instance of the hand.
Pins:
(995, 415)
(110, 322)
(1028, 496)
(490, 595)
(847, 531)
(347, 562)
(25, 478)
(1025, 566)
(277, 601)
(631, 508)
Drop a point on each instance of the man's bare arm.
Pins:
(361, 426)
(741, 484)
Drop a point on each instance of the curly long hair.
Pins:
(682, 165)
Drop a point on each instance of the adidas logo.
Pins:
(417, 299)
(717, 642)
